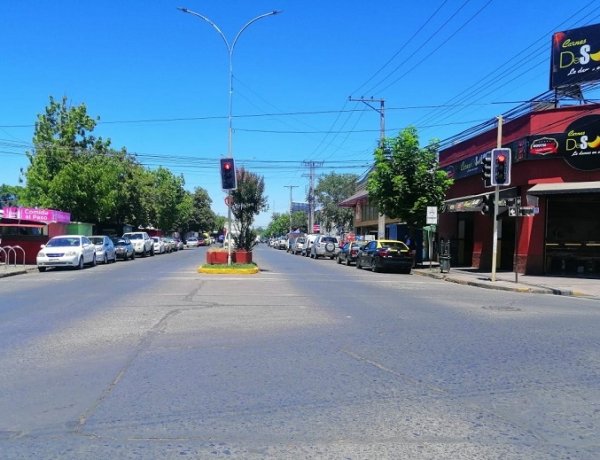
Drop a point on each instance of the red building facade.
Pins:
(555, 173)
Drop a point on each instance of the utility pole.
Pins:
(291, 187)
(496, 200)
(381, 112)
(311, 194)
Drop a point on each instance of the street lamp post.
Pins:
(230, 49)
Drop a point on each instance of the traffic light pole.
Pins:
(496, 200)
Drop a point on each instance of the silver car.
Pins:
(325, 246)
(105, 249)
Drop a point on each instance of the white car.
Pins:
(192, 242)
(66, 251)
(159, 245)
(142, 243)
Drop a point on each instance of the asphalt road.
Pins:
(307, 359)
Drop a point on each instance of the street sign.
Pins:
(316, 228)
(432, 215)
(529, 210)
(229, 200)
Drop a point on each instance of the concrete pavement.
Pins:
(557, 285)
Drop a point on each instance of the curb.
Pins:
(228, 271)
(12, 273)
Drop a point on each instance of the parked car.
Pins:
(310, 239)
(169, 244)
(123, 248)
(66, 251)
(178, 244)
(159, 245)
(349, 252)
(298, 245)
(142, 243)
(385, 254)
(105, 249)
(192, 242)
(325, 246)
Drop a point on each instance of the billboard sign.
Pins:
(575, 56)
(37, 215)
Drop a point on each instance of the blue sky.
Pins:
(158, 78)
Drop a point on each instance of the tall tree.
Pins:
(330, 190)
(62, 137)
(405, 178)
(249, 200)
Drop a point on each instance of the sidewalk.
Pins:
(557, 285)
(11, 270)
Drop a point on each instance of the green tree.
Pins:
(10, 195)
(203, 217)
(279, 225)
(405, 178)
(248, 201)
(331, 190)
(62, 136)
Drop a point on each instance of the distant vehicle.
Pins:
(192, 242)
(325, 246)
(385, 254)
(123, 248)
(298, 245)
(349, 252)
(178, 244)
(310, 239)
(142, 243)
(66, 251)
(105, 249)
(159, 245)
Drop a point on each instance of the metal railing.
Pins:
(11, 252)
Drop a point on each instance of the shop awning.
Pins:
(474, 203)
(564, 187)
(352, 200)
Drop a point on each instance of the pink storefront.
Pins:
(29, 228)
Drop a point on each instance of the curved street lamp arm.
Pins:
(213, 25)
(251, 21)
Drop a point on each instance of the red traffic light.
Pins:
(501, 158)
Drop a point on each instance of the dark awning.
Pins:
(564, 187)
(474, 203)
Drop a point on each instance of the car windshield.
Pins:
(135, 236)
(97, 240)
(57, 242)
(328, 239)
(398, 245)
(120, 243)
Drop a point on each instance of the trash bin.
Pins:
(445, 264)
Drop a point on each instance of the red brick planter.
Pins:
(216, 257)
(242, 257)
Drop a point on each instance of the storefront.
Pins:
(549, 219)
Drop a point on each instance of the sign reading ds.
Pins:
(575, 56)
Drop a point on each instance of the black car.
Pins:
(386, 254)
(124, 248)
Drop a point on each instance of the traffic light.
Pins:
(501, 167)
(486, 169)
(487, 205)
(228, 179)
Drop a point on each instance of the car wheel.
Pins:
(339, 261)
(80, 264)
(358, 265)
(94, 261)
(42, 269)
(105, 261)
(133, 255)
(348, 261)
(330, 247)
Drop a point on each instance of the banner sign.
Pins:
(575, 56)
(37, 215)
